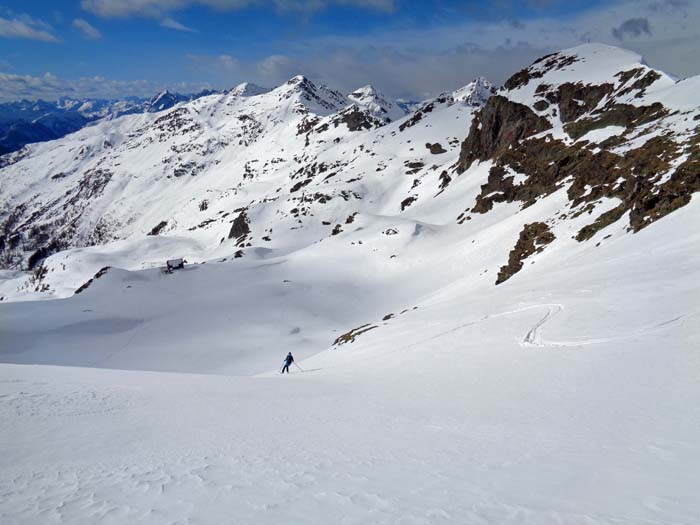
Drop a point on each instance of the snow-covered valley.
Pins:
(424, 392)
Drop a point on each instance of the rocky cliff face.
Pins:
(500, 124)
(597, 123)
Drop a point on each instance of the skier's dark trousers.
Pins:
(287, 361)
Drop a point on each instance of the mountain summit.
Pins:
(376, 103)
(476, 93)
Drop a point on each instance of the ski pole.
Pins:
(298, 366)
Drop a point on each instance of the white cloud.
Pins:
(159, 8)
(51, 87)
(419, 63)
(632, 27)
(86, 29)
(278, 68)
(221, 63)
(171, 23)
(26, 27)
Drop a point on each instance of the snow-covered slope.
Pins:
(566, 393)
(566, 397)
(276, 172)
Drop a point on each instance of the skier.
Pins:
(287, 361)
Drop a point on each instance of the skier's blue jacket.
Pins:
(289, 359)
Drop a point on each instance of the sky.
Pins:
(408, 49)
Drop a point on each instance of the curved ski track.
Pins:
(534, 338)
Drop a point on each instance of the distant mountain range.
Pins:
(27, 121)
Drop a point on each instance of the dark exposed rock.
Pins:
(606, 219)
(51, 227)
(521, 78)
(533, 238)
(578, 99)
(91, 185)
(445, 180)
(187, 168)
(356, 119)
(498, 125)
(502, 131)
(625, 76)
(42, 253)
(648, 201)
(176, 122)
(8, 159)
(413, 167)
(556, 61)
(240, 228)
(307, 124)
(498, 188)
(640, 84)
(299, 185)
(436, 149)
(349, 337)
(158, 228)
(37, 279)
(631, 177)
(573, 99)
(407, 202)
(417, 116)
(87, 284)
(538, 69)
(624, 115)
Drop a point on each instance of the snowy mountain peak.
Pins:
(297, 79)
(320, 100)
(164, 100)
(248, 89)
(368, 91)
(595, 51)
(476, 93)
(368, 98)
(588, 64)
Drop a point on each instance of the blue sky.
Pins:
(407, 48)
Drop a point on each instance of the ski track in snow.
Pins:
(533, 337)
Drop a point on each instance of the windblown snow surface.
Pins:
(568, 394)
